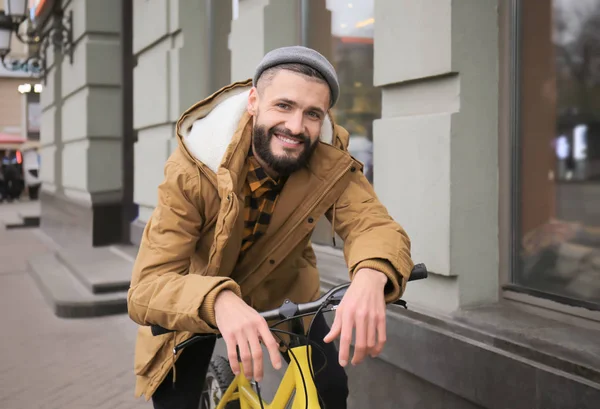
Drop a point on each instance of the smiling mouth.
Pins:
(288, 140)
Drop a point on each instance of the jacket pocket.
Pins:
(147, 350)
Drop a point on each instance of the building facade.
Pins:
(10, 103)
(477, 123)
(11, 109)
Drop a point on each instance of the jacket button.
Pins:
(272, 261)
(310, 220)
(353, 169)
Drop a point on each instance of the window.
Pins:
(349, 47)
(360, 102)
(557, 183)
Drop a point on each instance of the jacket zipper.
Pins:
(230, 198)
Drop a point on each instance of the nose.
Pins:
(295, 123)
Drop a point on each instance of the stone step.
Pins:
(22, 219)
(67, 296)
(100, 270)
(8, 217)
(127, 251)
(24, 222)
(30, 217)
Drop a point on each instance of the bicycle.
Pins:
(223, 390)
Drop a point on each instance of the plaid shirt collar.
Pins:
(259, 181)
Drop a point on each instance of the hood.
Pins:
(208, 127)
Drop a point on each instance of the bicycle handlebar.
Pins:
(289, 309)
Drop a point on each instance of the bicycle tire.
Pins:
(219, 374)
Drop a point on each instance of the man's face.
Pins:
(288, 114)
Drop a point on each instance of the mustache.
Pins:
(284, 131)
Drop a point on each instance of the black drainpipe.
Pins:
(129, 209)
(304, 20)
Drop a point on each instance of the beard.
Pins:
(287, 163)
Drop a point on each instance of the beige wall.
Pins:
(10, 105)
(81, 108)
(10, 99)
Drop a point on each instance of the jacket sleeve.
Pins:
(163, 290)
(372, 239)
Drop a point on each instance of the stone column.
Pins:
(436, 146)
(50, 130)
(182, 57)
(262, 26)
(81, 202)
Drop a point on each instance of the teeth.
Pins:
(287, 140)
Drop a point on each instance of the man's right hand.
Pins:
(242, 326)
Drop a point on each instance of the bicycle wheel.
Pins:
(218, 378)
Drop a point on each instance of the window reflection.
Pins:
(352, 55)
(560, 148)
(349, 46)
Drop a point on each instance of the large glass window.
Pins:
(349, 46)
(558, 145)
(352, 55)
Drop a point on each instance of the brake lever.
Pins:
(330, 308)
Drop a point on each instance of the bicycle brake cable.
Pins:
(312, 343)
(297, 364)
(295, 359)
(310, 366)
(309, 342)
(259, 396)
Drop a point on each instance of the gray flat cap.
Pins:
(301, 55)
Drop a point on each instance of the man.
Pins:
(256, 167)
(2, 184)
(11, 180)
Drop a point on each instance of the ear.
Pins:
(252, 106)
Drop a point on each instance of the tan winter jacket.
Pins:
(191, 243)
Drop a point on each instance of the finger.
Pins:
(360, 346)
(245, 355)
(232, 354)
(334, 332)
(371, 335)
(257, 356)
(346, 338)
(272, 346)
(381, 335)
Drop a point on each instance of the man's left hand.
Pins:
(361, 309)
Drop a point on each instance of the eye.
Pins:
(283, 105)
(314, 115)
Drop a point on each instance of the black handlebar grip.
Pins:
(419, 272)
(158, 330)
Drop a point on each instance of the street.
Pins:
(53, 363)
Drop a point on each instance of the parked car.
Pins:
(20, 160)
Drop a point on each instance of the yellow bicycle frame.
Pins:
(241, 388)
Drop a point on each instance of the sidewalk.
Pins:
(52, 363)
(48, 362)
